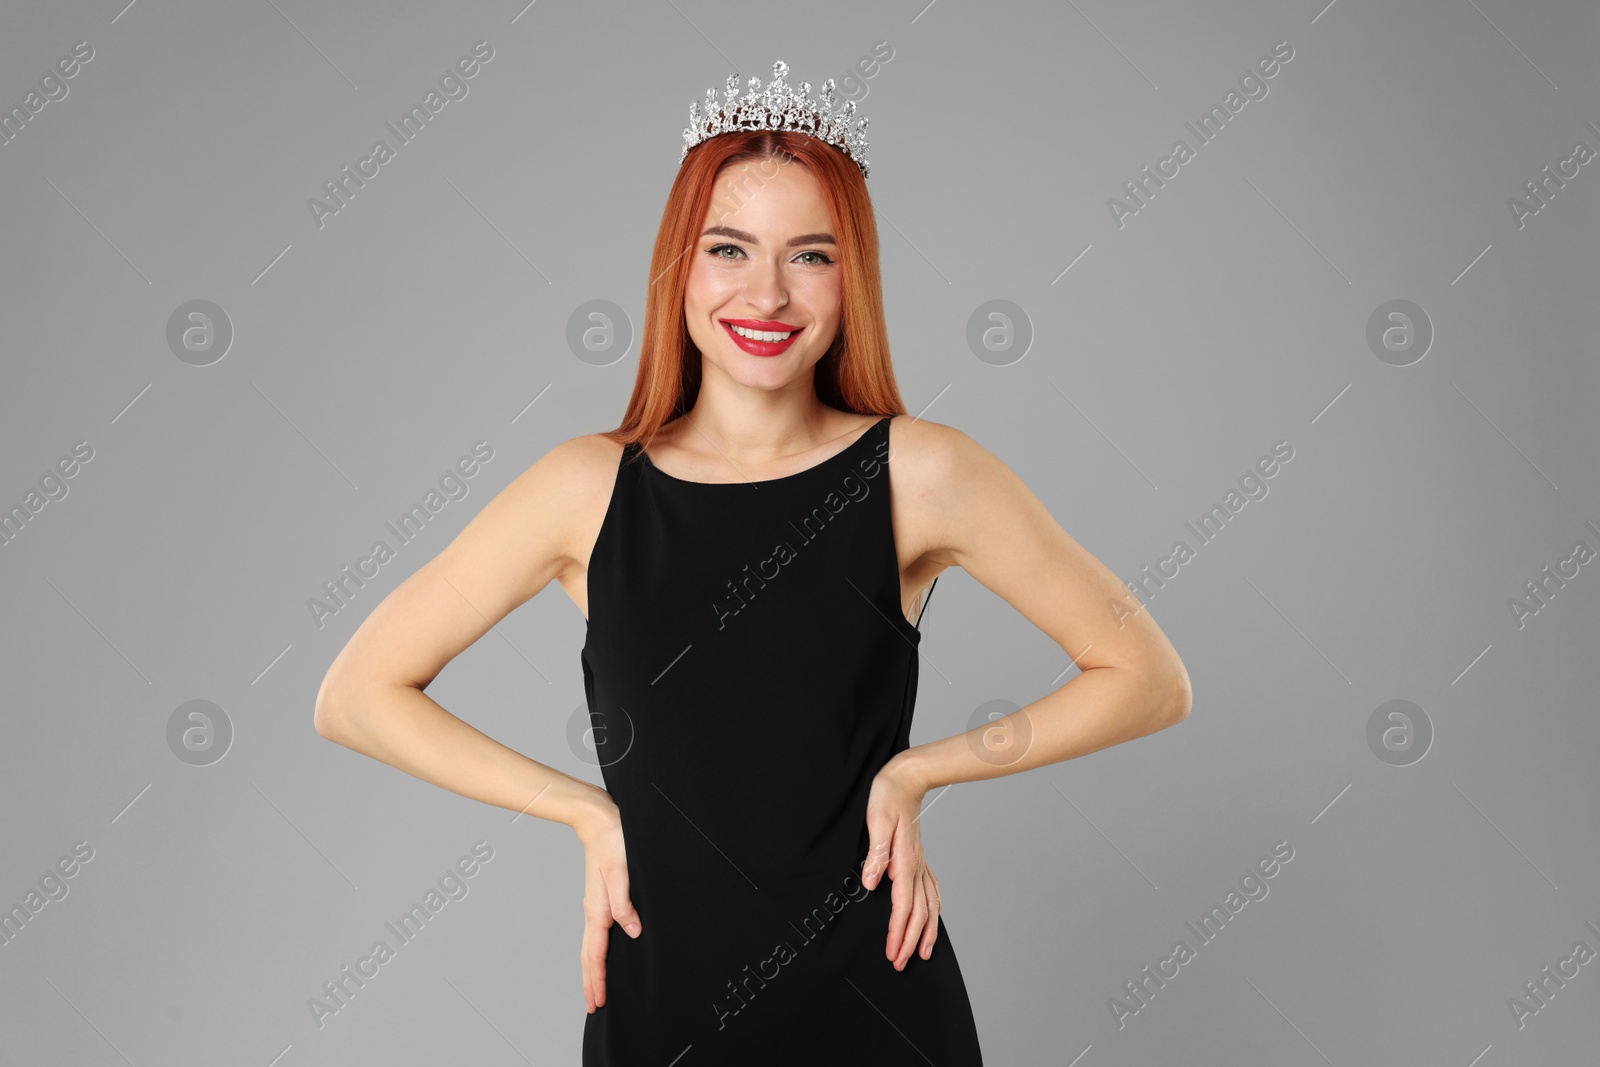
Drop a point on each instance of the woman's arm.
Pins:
(982, 518)
(372, 699)
(538, 529)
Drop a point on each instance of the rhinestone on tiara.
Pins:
(778, 107)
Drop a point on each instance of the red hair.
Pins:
(854, 375)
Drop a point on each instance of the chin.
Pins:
(768, 375)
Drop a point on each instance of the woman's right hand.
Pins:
(605, 897)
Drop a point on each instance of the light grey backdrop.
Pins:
(1341, 267)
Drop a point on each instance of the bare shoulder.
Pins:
(924, 448)
(588, 474)
(945, 480)
(571, 486)
(926, 458)
(540, 527)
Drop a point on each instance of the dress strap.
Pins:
(918, 624)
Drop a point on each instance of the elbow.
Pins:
(323, 719)
(329, 711)
(1180, 698)
(345, 704)
(1165, 696)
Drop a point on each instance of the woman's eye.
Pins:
(715, 251)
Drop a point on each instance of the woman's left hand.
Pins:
(893, 808)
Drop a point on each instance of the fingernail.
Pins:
(633, 929)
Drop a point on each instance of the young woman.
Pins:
(753, 581)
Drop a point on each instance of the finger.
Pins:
(622, 909)
(877, 861)
(930, 933)
(914, 925)
(588, 976)
(618, 898)
(588, 992)
(598, 943)
(903, 863)
(902, 892)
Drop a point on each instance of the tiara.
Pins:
(778, 107)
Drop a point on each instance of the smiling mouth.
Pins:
(769, 336)
(761, 342)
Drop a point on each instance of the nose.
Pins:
(765, 291)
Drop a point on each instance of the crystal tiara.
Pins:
(778, 107)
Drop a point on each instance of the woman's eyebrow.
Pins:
(750, 238)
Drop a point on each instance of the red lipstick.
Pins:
(761, 348)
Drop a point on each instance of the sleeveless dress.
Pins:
(748, 670)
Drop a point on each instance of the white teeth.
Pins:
(759, 335)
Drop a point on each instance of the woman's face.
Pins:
(765, 261)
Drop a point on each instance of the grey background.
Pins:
(1229, 313)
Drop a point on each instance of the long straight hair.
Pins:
(854, 375)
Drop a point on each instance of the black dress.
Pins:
(748, 670)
